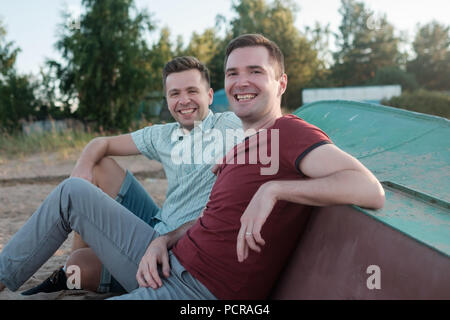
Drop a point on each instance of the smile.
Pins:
(244, 97)
(187, 111)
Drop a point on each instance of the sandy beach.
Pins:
(24, 184)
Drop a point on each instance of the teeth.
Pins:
(245, 96)
(186, 111)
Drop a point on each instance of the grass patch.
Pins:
(64, 143)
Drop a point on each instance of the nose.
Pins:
(184, 99)
(242, 81)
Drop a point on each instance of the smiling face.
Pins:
(253, 90)
(188, 97)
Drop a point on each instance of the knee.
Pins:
(88, 267)
(75, 186)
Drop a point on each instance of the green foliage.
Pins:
(109, 71)
(424, 101)
(203, 46)
(106, 62)
(160, 54)
(17, 101)
(364, 45)
(8, 54)
(432, 62)
(46, 87)
(216, 66)
(394, 75)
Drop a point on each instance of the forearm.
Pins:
(94, 151)
(343, 187)
(172, 237)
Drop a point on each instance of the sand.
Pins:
(24, 184)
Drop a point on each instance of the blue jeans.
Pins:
(118, 237)
(136, 199)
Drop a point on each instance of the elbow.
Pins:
(381, 199)
(378, 198)
(100, 143)
(102, 140)
(373, 197)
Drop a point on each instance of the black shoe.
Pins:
(56, 282)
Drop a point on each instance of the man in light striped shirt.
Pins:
(177, 146)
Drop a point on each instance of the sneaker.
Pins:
(56, 282)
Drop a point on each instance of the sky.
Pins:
(33, 24)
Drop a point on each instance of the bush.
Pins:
(424, 101)
(394, 75)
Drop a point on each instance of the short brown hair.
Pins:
(185, 63)
(258, 40)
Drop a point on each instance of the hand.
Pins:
(157, 253)
(252, 220)
(215, 169)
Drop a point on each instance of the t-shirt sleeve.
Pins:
(297, 139)
(146, 140)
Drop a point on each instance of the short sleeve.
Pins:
(227, 120)
(297, 139)
(145, 140)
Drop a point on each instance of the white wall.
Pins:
(363, 93)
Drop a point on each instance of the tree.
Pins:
(8, 54)
(215, 65)
(365, 44)
(48, 97)
(17, 100)
(319, 36)
(432, 62)
(160, 53)
(203, 46)
(105, 62)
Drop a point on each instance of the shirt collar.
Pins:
(205, 124)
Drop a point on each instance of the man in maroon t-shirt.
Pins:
(253, 220)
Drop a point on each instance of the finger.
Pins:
(147, 277)
(140, 279)
(250, 239)
(257, 234)
(165, 265)
(245, 250)
(251, 242)
(149, 280)
(154, 273)
(240, 244)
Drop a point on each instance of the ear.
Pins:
(211, 95)
(283, 84)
